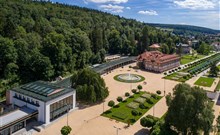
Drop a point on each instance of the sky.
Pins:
(205, 13)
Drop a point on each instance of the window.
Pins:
(61, 107)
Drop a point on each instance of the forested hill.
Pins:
(42, 40)
(185, 29)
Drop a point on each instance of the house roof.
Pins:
(99, 68)
(43, 91)
(157, 57)
(183, 45)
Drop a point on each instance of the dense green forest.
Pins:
(43, 40)
(186, 29)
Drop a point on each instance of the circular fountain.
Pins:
(129, 78)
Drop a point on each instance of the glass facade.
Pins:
(61, 107)
(13, 129)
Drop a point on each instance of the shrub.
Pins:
(127, 94)
(149, 101)
(132, 96)
(147, 122)
(134, 91)
(154, 96)
(142, 106)
(134, 112)
(111, 103)
(185, 77)
(119, 99)
(132, 120)
(66, 130)
(139, 87)
(158, 92)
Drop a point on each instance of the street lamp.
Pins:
(68, 107)
(153, 110)
(117, 129)
(103, 106)
(164, 87)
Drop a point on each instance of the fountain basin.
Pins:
(129, 78)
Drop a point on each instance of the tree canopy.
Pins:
(89, 85)
(43, 40)
(190, 110)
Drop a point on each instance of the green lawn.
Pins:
(205, 81)
(122, 112)
(174, 76)
(189, 58)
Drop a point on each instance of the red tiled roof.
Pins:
(157, 57)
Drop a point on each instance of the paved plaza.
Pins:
(87, 120)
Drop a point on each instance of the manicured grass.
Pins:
(194, 69)
(189, 58)
(205, 81)
(121, 112)
(126, 81)
(173, 75)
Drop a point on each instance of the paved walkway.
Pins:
(87, 121)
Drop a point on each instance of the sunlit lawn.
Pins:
(189, 58)
(205, 81)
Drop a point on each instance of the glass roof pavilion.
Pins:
(43, 91)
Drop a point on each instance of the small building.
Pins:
(157, 62)
(112, 57)
(43, 100)
(185, 48)
(216, 46)
(154, 47)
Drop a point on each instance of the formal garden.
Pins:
(189, 58)
(133, 107)
(205, 81)
(129, 78)
(192, 69)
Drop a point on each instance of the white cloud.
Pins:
(112, 8)
(195, 4)
(128, 8)
(109, 1)
(148, 12)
